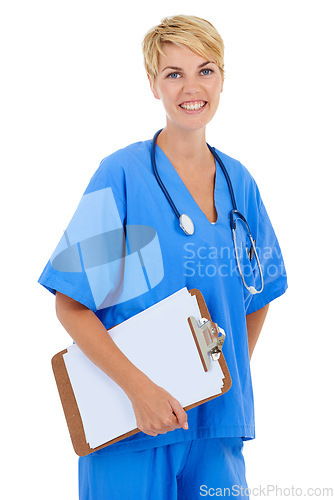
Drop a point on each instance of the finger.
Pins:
(148, 430)
(151, 433)
(181, 415)
(176, 423)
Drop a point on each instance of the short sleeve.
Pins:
(271, 261)
(87, 263)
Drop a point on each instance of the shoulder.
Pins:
(124, 158)
(114, 168)
(234, 167)
(242, 180)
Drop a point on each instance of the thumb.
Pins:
(179, 413)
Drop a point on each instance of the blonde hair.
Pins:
(194, 33)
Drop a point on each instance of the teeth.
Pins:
(193, 107)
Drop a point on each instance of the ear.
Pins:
(152, 85)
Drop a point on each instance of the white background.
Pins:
(74, 90)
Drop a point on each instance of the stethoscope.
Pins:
(187, 224)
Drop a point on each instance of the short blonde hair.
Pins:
(194, 33)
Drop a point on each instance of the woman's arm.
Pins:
(255, 322)
(155, 409)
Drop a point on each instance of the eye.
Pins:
(171, 75)
(207, 69)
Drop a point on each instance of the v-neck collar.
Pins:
(179, 192)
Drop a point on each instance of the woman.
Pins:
(176, 454)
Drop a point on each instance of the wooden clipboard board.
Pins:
(70, 407)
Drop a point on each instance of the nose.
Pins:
(191, 85)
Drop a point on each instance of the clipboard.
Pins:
(67, 397)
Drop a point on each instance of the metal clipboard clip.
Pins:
(209, 338)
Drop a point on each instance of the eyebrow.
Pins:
(180, 69)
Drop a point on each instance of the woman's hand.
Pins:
(156, 411)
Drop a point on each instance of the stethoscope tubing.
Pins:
(158, 178)
(234, 212)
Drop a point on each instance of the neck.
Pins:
(184, 147)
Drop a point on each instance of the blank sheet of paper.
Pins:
(160, 343)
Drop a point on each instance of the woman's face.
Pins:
(187, 80)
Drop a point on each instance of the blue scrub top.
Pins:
(123, 251)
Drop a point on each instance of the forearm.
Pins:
(254, 323)
(155, 409)
(92, 338)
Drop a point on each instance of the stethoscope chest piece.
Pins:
(186, 224)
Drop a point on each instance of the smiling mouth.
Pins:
(193, 105)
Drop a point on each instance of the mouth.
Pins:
(193, 106)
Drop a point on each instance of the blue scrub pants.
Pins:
(181, 471)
